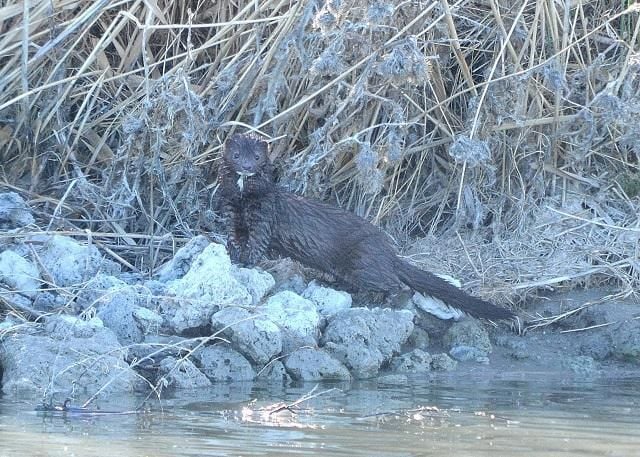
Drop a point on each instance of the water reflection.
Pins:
(473, 417)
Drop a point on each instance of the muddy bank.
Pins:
(74, 324)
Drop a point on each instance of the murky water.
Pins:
(537, 415)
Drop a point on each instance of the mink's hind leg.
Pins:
(259, 229)
(372, 278)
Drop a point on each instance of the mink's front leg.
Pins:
(259, 225)
(236, 232)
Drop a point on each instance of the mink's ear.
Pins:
(233, 140)
(264, 146)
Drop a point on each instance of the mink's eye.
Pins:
(257, 156)
(236, 155)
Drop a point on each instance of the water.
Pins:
(536, 415)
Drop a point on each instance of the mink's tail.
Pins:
(430, 284)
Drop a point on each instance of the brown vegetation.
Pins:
(508, 129)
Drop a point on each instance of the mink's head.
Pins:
(246, 154)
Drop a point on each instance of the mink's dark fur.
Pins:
(264, 217)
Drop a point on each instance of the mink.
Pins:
(263, 218)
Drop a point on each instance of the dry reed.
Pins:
(509, 130)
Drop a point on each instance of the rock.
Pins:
(14, 211)
(435, 328)
(48, 301)
(257, 282)
(15, 299)
(62, 326)
(419, 338)
(117, 313)
(275, 372)
(155, 288)
(287, 275)
(416, 361)
(5, 327)
(625, 341)
(181, 374)
(152, 295)
(97, 289)
(220, 363)
(80, 358)
(468, 354)
(468, 333)
(581, 365)
(442, 362)
(207, 287)
(181, 262)
(295, 316)
(516, 346)
(117, 304)
(254, 336)
(70, 263)
(598, 346)
(149, 321)
(311, 364)
(328, 301)
(157, 347)
(364, 339)
(18, 273)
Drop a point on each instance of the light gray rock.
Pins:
(148, 320)
(19, 274)
(363, 339)
(116, 304)
(328, 301)
(442, 362)
(468, 354)
(275, 372)
(70, 263)
(311, 364)
(152, 295)
(96, 291)
(181, 374)
(416, 361)
(6, 326)
(63, 326)
(468, 333)
(295, 316)
(156, 347)
(181, 262)
(207, 287)
(78, 356)
(15, 299)
(254, 336)
(48, 301)
(258, 283)
(14, 211)
(117, 313)
(220, 363)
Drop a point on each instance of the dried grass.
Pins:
(509, 130)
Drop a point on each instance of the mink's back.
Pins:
(326, 237)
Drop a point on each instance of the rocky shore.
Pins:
(72, 323)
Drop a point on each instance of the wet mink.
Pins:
(264, 217)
